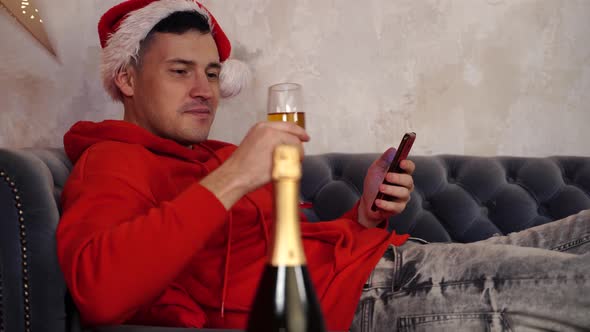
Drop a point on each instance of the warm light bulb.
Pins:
(32, 17)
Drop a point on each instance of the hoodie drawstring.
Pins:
(229, 235)
(265, 231)
(228, 249)
(226, 268)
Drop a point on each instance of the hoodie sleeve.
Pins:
(118, 249)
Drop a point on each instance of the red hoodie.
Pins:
(142, 242)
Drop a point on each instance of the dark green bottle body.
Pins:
(286, 301)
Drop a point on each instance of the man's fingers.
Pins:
(286, 138)
(408, 166)
(403, 180)
(290, 128)
(400, 193)
(391, 207)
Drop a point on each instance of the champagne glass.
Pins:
(285, 103)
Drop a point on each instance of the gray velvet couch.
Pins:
(457, 198)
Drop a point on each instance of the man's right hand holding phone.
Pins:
(396, 186)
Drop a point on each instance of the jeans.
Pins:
(534, 280)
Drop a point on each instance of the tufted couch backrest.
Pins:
(458, 198)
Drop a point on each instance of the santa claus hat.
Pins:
(122, 28)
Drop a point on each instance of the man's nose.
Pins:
(201, 87)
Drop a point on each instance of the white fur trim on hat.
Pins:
(123, 45)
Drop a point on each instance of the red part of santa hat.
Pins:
(122, 28)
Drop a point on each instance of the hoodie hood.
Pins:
(84, 134)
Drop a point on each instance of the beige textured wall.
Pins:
(481, 77)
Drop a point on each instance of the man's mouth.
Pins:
(202, 111)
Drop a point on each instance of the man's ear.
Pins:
(125, 81)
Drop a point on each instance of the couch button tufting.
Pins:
(542, 210)
(426, 205)
(484, 210)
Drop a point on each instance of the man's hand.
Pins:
(403, 186)
(250, 166)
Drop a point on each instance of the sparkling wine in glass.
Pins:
(285, 103)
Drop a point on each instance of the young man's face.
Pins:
(176, 87)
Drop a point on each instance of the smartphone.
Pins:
(401, 154)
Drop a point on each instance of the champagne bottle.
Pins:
(285, 299)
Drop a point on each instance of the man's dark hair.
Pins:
(177, 23)
(181, 22)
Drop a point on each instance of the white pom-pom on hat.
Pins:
(235, 76)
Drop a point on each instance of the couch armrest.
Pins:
(32, 288)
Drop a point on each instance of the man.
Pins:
(162, 226)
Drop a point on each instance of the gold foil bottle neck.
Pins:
(287, 248)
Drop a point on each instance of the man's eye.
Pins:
(179, 71)
(213, 75)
